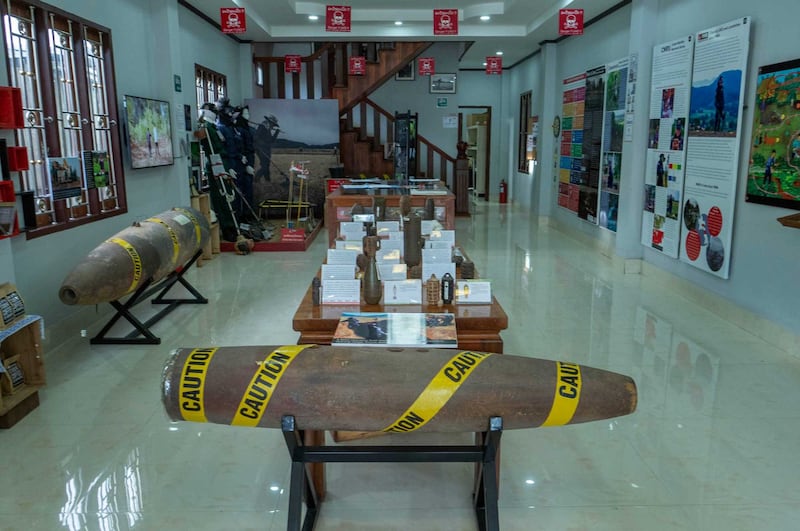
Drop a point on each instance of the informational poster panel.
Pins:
(666, 145)
(570, 173)
(613, 132)
(592, 140)
(714, 137)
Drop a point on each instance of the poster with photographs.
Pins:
(712, 153)
(613, 132)
(666, 145)
(592, 144)
(570, 172)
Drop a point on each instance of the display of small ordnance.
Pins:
(150, 249)
(386, 389)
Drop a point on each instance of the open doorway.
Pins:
(475, 128)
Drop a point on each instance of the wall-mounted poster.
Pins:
(613, 132)
(774, 174)
(592, 144)
(712, 153)
(570, 173)
(666, 145)
(66, 177)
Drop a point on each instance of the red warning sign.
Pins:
(570, 21)
(232, 20)
(292, 64)
(426, 66)
(445, 21)
(337, 18)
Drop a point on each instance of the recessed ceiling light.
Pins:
(398, 22)
(499, 52)
(485, 18)
(313, 17)
(484, 64)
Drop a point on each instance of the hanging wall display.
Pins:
(774, 174)
(613, 132)
(712, 153)
(666, 145)
(570, 172)
(592, 144)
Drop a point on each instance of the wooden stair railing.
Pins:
(369, 124)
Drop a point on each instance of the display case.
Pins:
(339, 205)
(23, 369)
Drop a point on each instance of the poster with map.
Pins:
(773, 177)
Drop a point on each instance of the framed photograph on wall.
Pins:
(443, 84)
(406, 73)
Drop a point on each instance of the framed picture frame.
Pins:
(406, 73)
(443, 84)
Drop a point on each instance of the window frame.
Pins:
(525, 110)
(210, 95)
(65, 213)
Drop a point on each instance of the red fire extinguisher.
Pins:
(503, 191)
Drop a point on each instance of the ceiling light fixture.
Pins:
(398, 22)
(485, 18)
(313, 17)
(499, 52)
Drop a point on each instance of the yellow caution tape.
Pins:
(176, 245)
(262, 386)
(194, 220)
(135, 258)
(443, 386)
(567, 396)
(192, 386)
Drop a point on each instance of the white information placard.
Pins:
(341, 292)
(712, 153)
(473, 292)
(388, 256)
(337, 272)
(402, 291)
(350, 245)
(438, 244)
(438, 269)
(441, 256)
(444, 235)
(352, 230)
(341, 257)
(385, 227)
(392, 271)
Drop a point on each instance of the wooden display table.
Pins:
(338, 205)
(478, 327)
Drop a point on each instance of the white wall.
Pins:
(152, 40)
(401, 96)
(765, 254)
(763, 276)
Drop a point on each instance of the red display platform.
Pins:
(279, 246)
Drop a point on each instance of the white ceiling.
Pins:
(516, 26)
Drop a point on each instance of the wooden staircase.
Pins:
(365, 128)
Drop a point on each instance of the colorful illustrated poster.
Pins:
(592, 140)
(666, 145)
(712, 153)
(613, 132)
(774, 174)
(570, 172)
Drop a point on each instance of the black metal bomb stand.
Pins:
(302, 487)
(142, 293)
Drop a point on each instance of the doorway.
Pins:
(475, 128)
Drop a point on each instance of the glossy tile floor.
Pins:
(713, 445)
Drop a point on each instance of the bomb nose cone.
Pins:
(68, 295)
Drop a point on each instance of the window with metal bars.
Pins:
(209, 85)
(63, 66)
